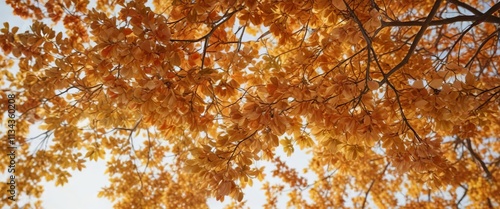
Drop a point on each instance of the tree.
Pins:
(394, 100)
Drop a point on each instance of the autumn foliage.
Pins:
(396, 102)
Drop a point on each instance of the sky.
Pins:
(81, 190)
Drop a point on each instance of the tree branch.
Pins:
(466, 6)
(465, 18)
(236, 147)
(367, 193)
(463, 196)
(419, 35)
(478, 159)
(371, 185)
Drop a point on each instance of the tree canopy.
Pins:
(396, 102)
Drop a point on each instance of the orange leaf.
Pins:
(436, 83)
(373, 85)
(419, 84)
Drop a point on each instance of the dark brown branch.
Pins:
(492, 35)
(463, 195)
(466, 6)
(465, 18)
(367, 193)
(360, 25)
(236, 147)
(207, 36)
(419, 36)
(338, 65)
(478, 159)
(369, 46)
(403, 115)
(490, 204)
(488, 13)
(375, 5)
(224, 19)
(371, 185)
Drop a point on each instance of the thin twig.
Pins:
(463, 195)
(371, 185)
(413, 46)
(478, 159)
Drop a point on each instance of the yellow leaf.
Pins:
(15, 29)
(287, 146)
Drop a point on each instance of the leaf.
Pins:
(90, 154)
(176, 59)
(351, 152)
(287, 146)
(373, 85)
(339, 4)
(421, 104)
(305, 142)
(419, 84)
(453, 66)
(436, 83)
(470, 79)
(106, 51)
(151, 84)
